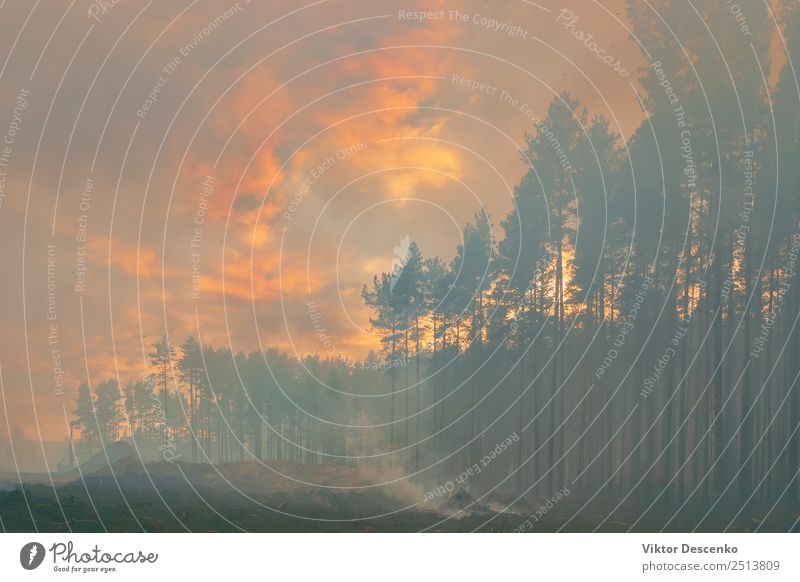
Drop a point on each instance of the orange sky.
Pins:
(330, 131)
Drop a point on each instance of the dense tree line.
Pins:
(211, 405)
(636, 319)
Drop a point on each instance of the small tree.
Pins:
(84, 413)
(192, 372)
(106, 406)
(161, 359)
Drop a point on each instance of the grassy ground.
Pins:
(35, 508)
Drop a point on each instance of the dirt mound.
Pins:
(462, 501)
(112, 453)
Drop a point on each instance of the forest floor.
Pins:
(285, 497)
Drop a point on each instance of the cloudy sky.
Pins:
(211, 167)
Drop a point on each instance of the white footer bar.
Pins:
(334, 557)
